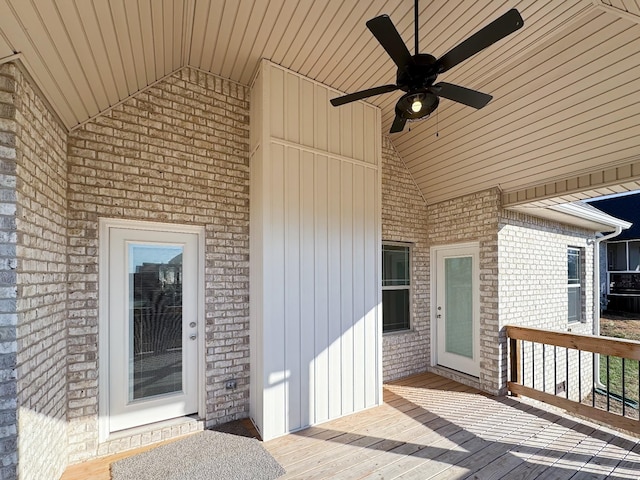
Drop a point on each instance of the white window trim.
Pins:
(400, 287)
(578, 285)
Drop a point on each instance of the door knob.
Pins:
(192, 336)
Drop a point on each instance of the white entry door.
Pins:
(457, 309)
(153, 316)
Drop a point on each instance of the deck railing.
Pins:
(596, 377)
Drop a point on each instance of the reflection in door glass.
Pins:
(155, 320)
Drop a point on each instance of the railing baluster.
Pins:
(608, 376)
(624, 397)
(566, 375)
(555, 370)
(524, 354)
(579, 376)
(533, 365)
(544, 375)
(593, 379)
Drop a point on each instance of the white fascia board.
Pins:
(592, 214)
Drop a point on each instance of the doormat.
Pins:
(203, 456)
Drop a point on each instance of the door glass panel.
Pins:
(155, 320)
(459, 306)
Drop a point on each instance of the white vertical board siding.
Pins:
(256, 219)
(318, 199)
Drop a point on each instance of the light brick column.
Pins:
(8, 316)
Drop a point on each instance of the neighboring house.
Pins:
(312, 256)
(620, 272)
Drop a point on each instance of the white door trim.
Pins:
(463, 248)
(105, 225)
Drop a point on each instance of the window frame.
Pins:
(577, 284)
(627, 256)
(409, 287)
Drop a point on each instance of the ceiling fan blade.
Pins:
(398, 124)
(352, 97)
(483, 38)
(383, 29)
(466, 96)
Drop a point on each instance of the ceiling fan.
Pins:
(417, 73)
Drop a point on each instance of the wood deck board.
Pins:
(432, 427)
(476, 436)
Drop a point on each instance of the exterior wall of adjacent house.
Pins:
(177, 152)
(533, 293)
(404, 219)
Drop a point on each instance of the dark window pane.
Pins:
(617, 256)
(395, 310)
(573, 260)
(634, 256)
(395, 265)
(574, 304)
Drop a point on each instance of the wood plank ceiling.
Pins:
(565, 86)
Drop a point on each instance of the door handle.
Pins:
(192, 336)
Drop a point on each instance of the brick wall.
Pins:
(42, 287)
(523, 268)
(176, 152)
(404, 219)
(8, 317)
(533, 291)
(33, 289)
(474, 218)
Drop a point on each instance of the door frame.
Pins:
(463, 248)
(105, 225)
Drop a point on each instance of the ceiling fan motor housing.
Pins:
(421, 72)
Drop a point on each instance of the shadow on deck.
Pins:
(432, 427)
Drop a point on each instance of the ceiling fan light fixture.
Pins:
(415, 105)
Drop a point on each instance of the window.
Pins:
(617, 256)
(396, 287)
(623, 256)
(574, 275)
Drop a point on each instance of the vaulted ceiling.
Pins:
(566, 107)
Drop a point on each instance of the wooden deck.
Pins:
(434, 428)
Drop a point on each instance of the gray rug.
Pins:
(206, 455)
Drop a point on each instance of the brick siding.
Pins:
(404, 219)
(474, 218)
(533, 291)
(8, 316)
(177, 152)
(33, 289)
